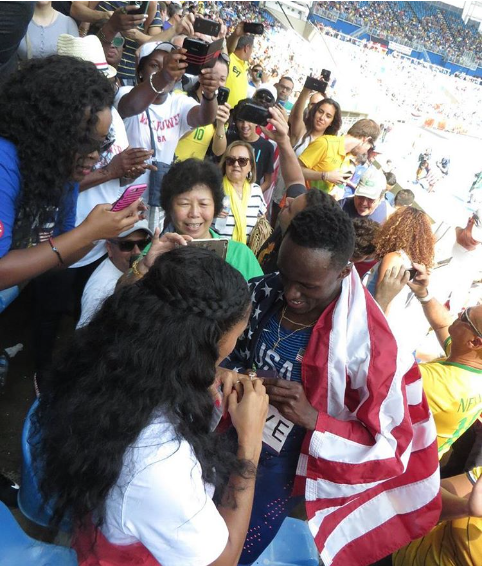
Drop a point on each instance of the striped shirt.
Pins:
(286, 356)
(127, 66)
(256, 207)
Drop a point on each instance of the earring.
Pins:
(249, 176)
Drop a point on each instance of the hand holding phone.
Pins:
(131, 194)
(223, 94)
(207, 27)
(253, 27)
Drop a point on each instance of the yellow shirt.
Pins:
(326, 153)
(450, 543)
(454, 396)
(237, 80)
(195, 143)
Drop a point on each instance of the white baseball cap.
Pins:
(371, 185)
(268, 88)
(140, 225)
(148, 48)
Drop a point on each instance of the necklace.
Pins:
(293, 321)
(279, 338)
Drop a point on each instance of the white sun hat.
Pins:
(87, 48)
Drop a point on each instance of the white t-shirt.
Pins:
(99, 286)
(161, 501)
(105, 192)
(169, 122)
(255, 208)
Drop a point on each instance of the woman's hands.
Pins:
(130, 163)
(163, 244)
(103, 224)
(222, 114)
(248, 415)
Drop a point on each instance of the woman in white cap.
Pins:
(150, 110)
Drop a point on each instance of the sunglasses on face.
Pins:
(242, 161)
(265, 97)
(465, 318)
(100, 146)
(117, 41)
(128, 246)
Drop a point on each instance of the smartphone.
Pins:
(131, 194)
(207, 27)
(314, 84)
(412, 273)
(200, 54)
(219, 246)
(254, 113)
(253, 27)
(142, 8)
(223, 94)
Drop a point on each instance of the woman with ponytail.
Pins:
(127, 445)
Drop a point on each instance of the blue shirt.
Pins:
(287, 356)
(14, 233)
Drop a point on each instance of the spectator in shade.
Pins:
(44, 30)
(284, 90)
(366, 231)
(240, 47)
(368, 200)
(102, 282)
(263, 149)
(174, 12)
(404, 197)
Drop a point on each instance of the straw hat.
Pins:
(87, 48)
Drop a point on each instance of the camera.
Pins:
(252, 112)
(223, 94)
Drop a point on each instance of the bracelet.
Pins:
(206, 98)
(220, 136)
(135, 268)
(101, 35)
(323, 176)
(153, 87)
(56, 251)
(426, 299)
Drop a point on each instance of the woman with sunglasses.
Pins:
(246, 197)
(51, 133)
(192, 197)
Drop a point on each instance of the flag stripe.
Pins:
(371, 463)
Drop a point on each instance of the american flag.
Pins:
(369, 472)
(300, 355)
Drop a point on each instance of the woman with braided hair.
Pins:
(126, 428)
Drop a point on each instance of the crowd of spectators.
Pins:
(413, 23)
(251, 291)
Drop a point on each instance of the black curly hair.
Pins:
(326, 228)
(153, 346)
(184, 175)
(48, 111)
